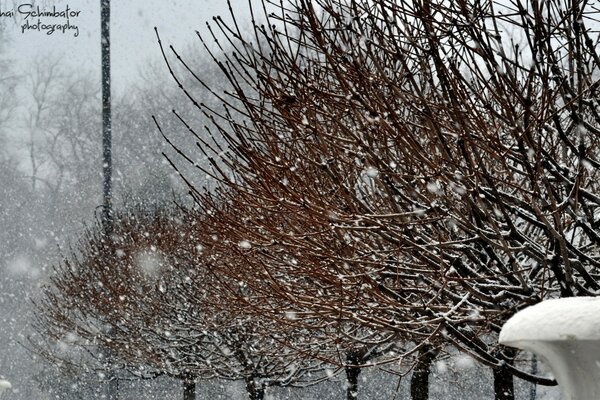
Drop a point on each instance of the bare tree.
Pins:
(140, 295)
(10, 177)
(428, 172)
(233, 255)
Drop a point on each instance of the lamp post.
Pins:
(111, 389)
(106, 116)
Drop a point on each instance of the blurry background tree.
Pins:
(9, 174)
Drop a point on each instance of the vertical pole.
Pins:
(111, 388)
(106, 116)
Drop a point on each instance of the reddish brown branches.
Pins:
(396, 176)
(145, 294)
(413, 167)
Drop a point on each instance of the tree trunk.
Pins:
(256, 390)
(354, 358)
(503, 384)
(352, 373)
(419, 383)
(504, 388)
(189, 388)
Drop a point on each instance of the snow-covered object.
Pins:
(566, 333)
(4, 385)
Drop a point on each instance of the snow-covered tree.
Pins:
(144, 294)
(430, 166)
(236, 256)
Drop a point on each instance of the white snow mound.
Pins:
(555, 320)
(566, 333)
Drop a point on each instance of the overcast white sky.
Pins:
(132, 35)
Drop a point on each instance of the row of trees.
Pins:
(429, 174)
(394, 178)
(141, 296)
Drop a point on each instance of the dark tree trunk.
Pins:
(504, 388)
(353, 359)
(352, 373)
(419, 383)
(256, 390)
(503, 384)
(189, 388)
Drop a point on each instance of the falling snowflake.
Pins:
(244, 244)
